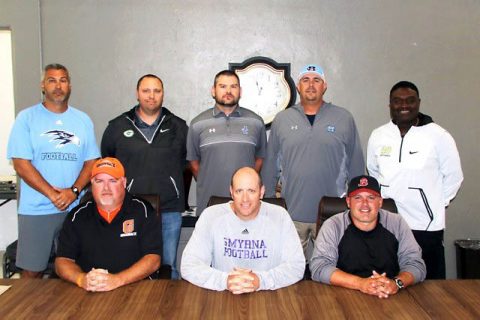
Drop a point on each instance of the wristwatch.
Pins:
(75, 190)
(399, 283)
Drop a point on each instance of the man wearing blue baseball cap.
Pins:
(313, 151)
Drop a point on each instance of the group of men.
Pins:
(313, 151)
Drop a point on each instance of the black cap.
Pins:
(363, 183)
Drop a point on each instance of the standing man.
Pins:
(417, 164)
(52, 146)
(314, 150)
(223, 139)
(150, 142)
(244, 245)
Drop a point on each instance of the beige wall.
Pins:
(364, 46)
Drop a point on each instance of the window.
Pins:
(7, 105)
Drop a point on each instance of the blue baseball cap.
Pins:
(312, 68)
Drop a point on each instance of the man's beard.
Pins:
(222, 102)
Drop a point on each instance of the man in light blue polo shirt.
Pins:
(52, 146)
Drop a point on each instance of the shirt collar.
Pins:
(219, 113)
(141, 124)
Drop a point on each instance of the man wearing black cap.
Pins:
(367, 248)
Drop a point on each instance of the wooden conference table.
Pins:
(164, 299)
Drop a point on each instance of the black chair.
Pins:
(165, 271)
(330, 206)
(218, 200)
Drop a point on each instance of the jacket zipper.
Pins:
(400, 153)
(140, 131)
(426, 204)
(175, 186)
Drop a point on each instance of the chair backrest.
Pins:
(218, 200)
(153, 199)
(330, 206)
(165, 270)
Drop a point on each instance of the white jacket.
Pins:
(421, 171)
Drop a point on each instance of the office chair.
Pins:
(330, 206)
(165, 270)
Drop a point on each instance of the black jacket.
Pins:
(151, 167)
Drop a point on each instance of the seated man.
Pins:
(244, 245)
(367, 248)
(112, 241)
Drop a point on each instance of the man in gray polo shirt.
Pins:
(222, 139)
(314, 149)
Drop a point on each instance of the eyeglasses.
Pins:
(398, 102)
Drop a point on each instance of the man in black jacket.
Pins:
(150, 141)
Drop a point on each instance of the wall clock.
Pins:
(267, 87)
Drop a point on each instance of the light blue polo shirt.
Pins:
(57, 144)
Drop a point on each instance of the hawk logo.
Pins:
(331, 128)
(245, 130)
(62, 138)
(211, 130)
(294, 127)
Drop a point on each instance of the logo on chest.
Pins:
(128, 133)
(62, 138)
(331, 128)
(386, 151)
(128, 228)
(245, 130)
(211, 130)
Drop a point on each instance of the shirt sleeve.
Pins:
(68, 240)
(107, 146)
(292, 266)
(261, 148)
(325, 252)
(270, 168)
(356, 165)
(372, 165)
(19, 142)
(197, 258)
(450, 167)
(409, 252)
(193, 144)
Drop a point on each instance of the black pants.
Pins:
(433, 252)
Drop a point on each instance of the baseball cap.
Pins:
(312, 68)
(110, 166)
(363, 183)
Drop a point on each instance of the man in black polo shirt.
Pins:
(367, 248)
(111, 241)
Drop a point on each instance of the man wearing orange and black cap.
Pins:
(367, 248)
(111, 241)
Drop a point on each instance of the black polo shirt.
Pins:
(94, 243)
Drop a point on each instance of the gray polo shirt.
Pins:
(222, 144)
(312, 160)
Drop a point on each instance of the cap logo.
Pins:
(106, 164)
(363, 182)
(311, 68)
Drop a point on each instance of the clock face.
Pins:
(264, 90)
(267, 87)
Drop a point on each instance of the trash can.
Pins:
(468, 258)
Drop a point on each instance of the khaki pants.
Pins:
(307, 232)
